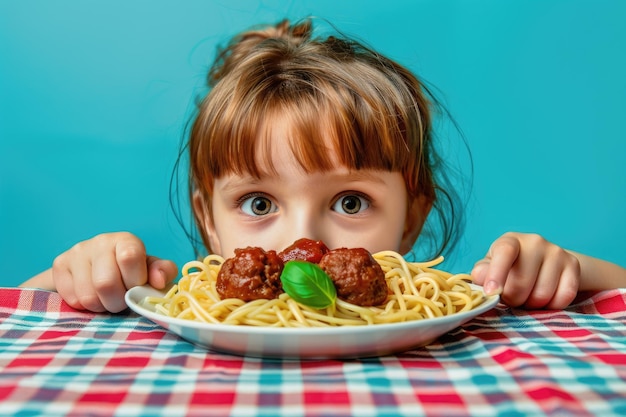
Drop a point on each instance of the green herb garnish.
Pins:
(308, 284)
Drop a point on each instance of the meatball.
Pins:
(359, 279)
(251, 274)
(304, 250)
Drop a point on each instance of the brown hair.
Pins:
(374, 112)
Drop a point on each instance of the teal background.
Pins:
(94, 97)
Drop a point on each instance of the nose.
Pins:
(301, 222)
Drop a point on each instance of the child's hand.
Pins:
(95, 274)
(530, 271)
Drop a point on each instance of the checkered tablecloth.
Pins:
(507, 362)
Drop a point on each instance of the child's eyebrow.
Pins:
(365, 175)
(240, 181)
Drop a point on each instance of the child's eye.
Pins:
(351, 204)
(257, 205)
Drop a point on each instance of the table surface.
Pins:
(58, 361)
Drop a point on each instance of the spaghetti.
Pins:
(416, 291)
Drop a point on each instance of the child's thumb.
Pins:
(161, 272)
(480, 271)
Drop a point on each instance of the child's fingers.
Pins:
(557, 281)
(480, 271)
(107, 282)
(529, 271)
(94, 274)
(545, 287)
(568, 284)
(502, 255)
(64, 283)
(161, 272)
(82, 280)
(130, 254)
(72, 276)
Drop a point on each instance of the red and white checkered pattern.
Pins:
(58, 361)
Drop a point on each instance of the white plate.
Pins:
(308, 343)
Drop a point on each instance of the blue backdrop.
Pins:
(94, 97)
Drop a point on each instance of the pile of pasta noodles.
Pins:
(416, 291)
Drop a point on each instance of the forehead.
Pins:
(281, 142)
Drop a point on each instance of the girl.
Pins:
(324, 139)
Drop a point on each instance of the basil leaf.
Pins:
(308, 284)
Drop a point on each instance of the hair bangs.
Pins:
(322, 126)
(327, 125)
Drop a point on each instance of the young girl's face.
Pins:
(341, 207)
